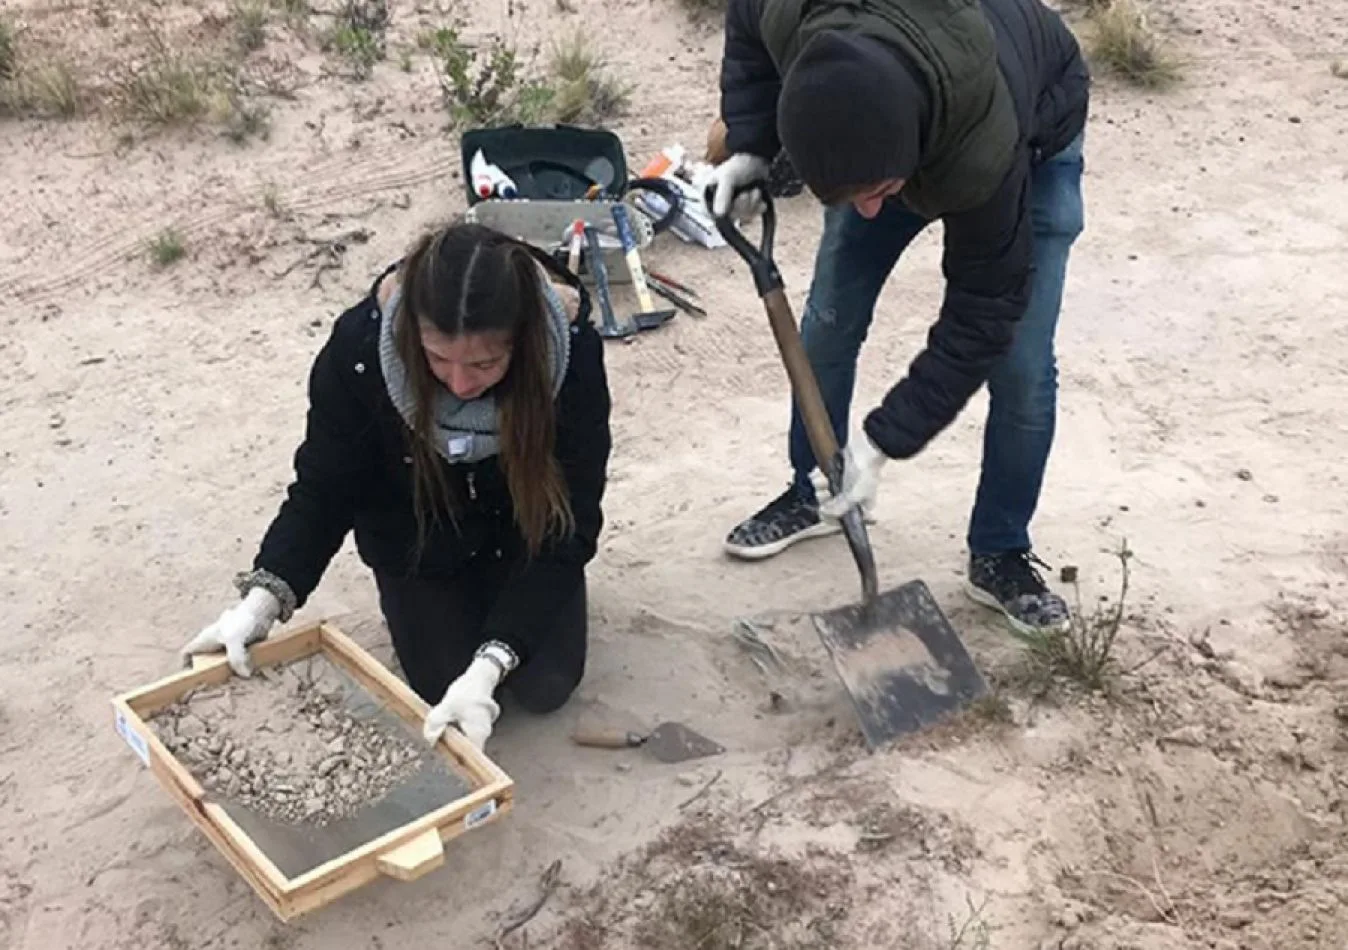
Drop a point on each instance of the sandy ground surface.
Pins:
(150, 417)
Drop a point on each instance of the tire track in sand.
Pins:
(379, 170)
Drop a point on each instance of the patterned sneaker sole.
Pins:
(757, 552)
(979, 596)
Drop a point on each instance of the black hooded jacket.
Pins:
(988, 255)
(353, 474)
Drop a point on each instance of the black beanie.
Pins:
(851, 113)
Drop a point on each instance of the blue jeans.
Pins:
(855, 259)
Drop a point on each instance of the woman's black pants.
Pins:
(436, 626)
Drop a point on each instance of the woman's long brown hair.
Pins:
(470, 279)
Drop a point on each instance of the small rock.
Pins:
(224, 776)
(1234, 918)
(337, 745)
(624, 766)
(1290, 679)
(1193, 735)
(191, 728)
(687, 779)
(1244, 474)
(1241, 678)
(329, 765)
(312, 806)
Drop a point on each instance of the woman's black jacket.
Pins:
(353, 473)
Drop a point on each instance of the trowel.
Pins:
(901, 661)
(667, 742)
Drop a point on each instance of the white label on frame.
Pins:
(478, 815)
(134, 739)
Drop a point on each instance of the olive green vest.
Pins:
(974, 130)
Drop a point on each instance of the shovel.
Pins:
(668, 742)
(900, 660)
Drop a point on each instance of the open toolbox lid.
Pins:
(548, 162)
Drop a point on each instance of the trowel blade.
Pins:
(675, 742)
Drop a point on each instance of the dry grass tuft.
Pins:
(486, 85)
(492, 84)
(49, 90)
(166, 248)
(172, 88)
(7, 54)
(1123, 40)
(1084, 652)
(46, 89)
(748, 903)
(167, 89)
(250, 25)
(586, 93)
(360, 35)
(974, 933)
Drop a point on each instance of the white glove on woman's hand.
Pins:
(862, 462)
(737, 171)
(246, 622)
(467, 704)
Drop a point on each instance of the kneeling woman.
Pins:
(459, 424)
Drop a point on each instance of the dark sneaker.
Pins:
(790, 517)
(1009, 583)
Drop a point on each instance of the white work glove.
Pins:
(737, 171)
(862, 462)
(246, 622)
(468, 704)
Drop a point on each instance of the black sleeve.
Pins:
(749, 84)
(987, 262)
(537, 589)
(333, 465)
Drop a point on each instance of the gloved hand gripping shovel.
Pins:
(898, 656)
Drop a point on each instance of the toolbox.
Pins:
(553, 168)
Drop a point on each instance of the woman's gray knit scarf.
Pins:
(467, 431)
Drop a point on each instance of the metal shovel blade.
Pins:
(675, 742)
(900, 660)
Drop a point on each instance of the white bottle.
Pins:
(489, 180)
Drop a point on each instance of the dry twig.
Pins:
(547, 884)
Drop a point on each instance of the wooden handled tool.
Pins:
(648, 317)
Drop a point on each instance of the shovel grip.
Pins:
(766, 276)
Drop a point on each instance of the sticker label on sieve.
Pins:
(478, 815)
(134, 739)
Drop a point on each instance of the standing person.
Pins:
(458, 424)
(897, 113)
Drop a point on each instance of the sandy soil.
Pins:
(150, 416)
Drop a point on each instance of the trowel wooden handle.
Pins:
(804, 385)
(600, 739)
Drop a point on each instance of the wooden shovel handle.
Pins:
(805, 386)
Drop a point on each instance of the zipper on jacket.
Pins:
(472, 487)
